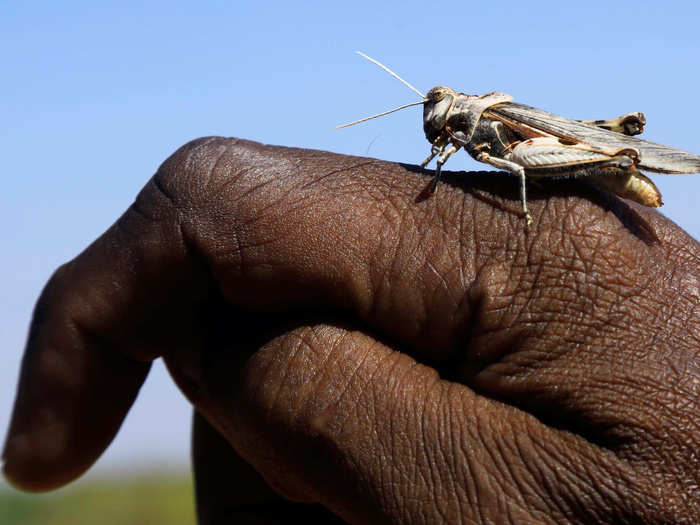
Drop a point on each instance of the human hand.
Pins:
(393, 359)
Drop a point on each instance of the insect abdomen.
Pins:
(631, 185)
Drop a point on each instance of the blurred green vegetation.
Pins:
(154, 499)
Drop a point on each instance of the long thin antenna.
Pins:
(397, 77)
(380, 114)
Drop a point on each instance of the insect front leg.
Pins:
(441, 160)
(435, 150)
(438, 145)
(628, 124)
(514, 168)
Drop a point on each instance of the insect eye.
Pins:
(436, 94)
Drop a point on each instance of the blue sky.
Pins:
(94, 96)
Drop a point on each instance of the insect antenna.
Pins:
(397, 77)
(421, 95)
(380, 114)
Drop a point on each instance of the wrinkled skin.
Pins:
(385, 357)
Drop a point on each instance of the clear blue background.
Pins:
(95, 95)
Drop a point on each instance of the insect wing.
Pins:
(654, 157)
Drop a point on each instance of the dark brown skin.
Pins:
(387, 358)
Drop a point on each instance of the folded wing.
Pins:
(655, 157)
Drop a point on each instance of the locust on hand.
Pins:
(533, 144)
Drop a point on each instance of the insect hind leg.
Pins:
(629, 124)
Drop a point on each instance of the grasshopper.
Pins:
(532, 143)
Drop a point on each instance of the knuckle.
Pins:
(184, 175)
(210, 171)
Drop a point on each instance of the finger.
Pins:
(97, 325)
(332, 416)
(58, 427)
(279, 227)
